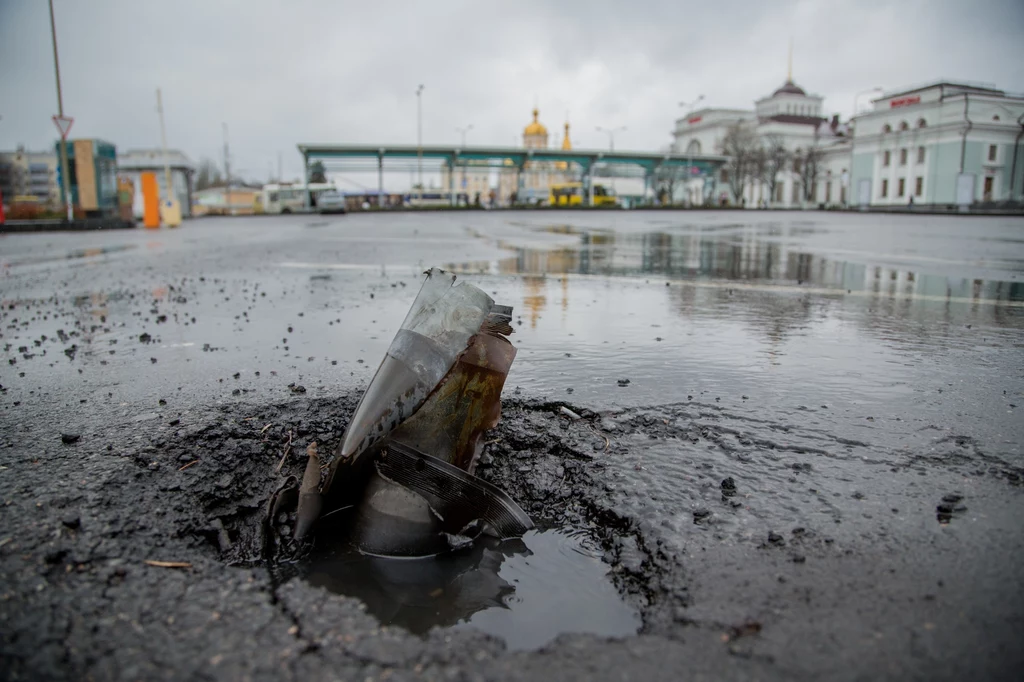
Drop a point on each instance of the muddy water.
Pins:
(526, 592)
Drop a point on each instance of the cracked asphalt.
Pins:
(799, 443)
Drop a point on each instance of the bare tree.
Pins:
(776, 156)
(317, 173)
(666, 179)
(208, 175)
(808, 167)
(741, 145)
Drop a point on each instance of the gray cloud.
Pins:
(282, 73)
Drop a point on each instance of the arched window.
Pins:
(693, 147)
(921, 123)
(904, 126)
(886, 129)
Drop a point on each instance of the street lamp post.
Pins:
(462, 132)
(853, 137)
(419, 138)
(65, 179)
(689, 151)
(611, 135)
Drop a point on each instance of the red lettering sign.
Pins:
(695, 119)
(904, 101)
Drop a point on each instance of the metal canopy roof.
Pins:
(517, 156)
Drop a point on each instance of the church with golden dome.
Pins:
(533, 183)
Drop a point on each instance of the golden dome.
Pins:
(535, 128)
(566, 144)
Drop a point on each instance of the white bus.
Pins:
(434, 197)
(289, 198)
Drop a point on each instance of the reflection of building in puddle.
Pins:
(534, 299)
(418, 594)
(890, 282)
(539, 261)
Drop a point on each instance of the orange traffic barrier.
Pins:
(150, 201)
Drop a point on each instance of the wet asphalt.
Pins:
(798, 451)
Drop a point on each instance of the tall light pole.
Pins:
(227, 173)
(462, 132)
(65, 178)
(611, 135)
(853, 137)
(419, 138)
(688, 106)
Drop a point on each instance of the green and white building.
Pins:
(942, 144)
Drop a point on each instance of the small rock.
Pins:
(776, 539)
(69, 438)
(952, 498)
(71, 519)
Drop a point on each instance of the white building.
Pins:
(918, 145)
(922, 143)
(133, 163)
(793, 117)
(29, 174)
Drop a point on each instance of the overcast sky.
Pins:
(280, 72)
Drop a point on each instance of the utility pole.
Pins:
(279, 172)
(852, 132)
(689, 152)
(419, 138)
(611, 135)
(65, 178)
(163, 142)
(227, 172)
(463, 131)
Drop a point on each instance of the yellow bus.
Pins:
(573, 194)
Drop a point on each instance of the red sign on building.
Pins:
(695, 119)
(904, 101)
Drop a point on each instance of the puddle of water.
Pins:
(76, 254)
(527, 592)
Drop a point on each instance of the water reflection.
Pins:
(526, 591)
(762, 256)
(418, 594)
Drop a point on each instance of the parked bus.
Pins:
(574, 194)
(434, 197)
(288, 198)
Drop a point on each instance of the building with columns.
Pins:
(942, 143)
(790, 116)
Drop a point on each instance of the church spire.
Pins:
(789, 64)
